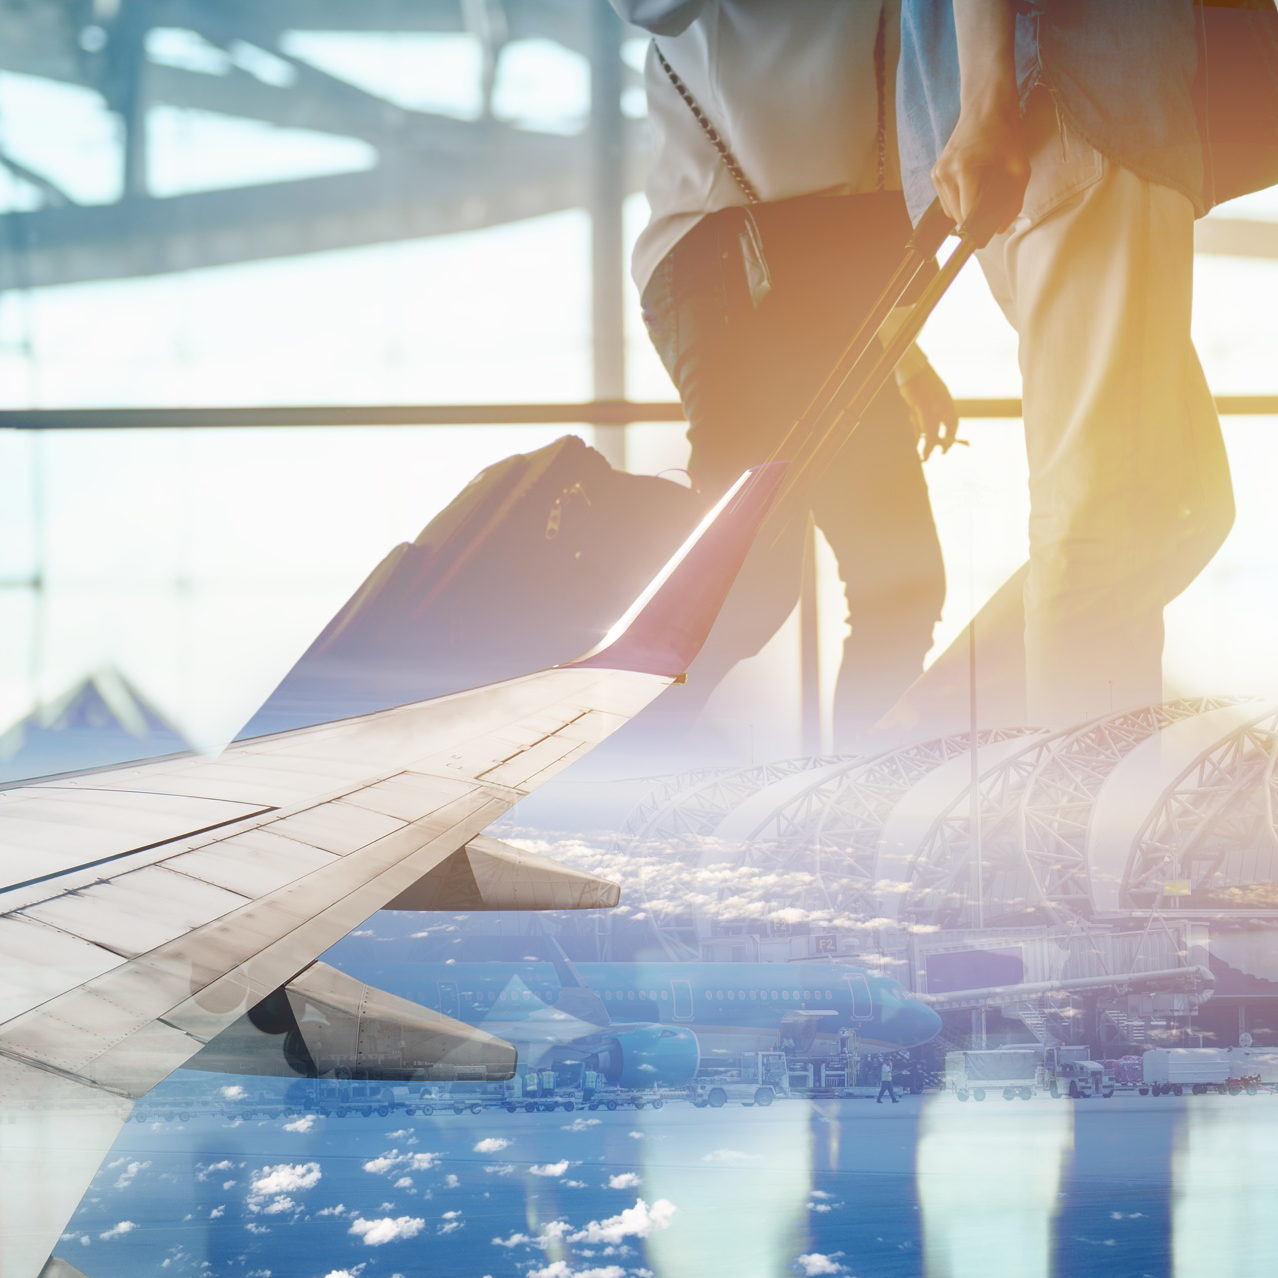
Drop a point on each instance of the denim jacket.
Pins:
(1121, 73)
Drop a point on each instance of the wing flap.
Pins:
(488, 874)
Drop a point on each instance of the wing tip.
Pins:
(664, 629)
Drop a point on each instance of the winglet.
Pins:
(664, 628)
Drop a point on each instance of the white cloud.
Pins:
(624, 1180)
(451, 1181)
(559, 1269)
(218, 1212)
(345, 1273)
(119, 1230)
(269, 1189)
(580, 1124)
(815, 1263)
(550, 1169)
(491, 1145)
(635, 1222)
(731, 1158)
(393, 1160)
(303, 1124)
(285, 1178)
(670, 876)
(129, 1174)
(339, 1209)
(232, 1093)
(386, 1229)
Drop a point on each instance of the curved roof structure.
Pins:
(1171, 800)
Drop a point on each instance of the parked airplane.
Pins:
(641, 1023)
(146, 909)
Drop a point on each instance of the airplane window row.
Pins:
(620, 996)
(765, 995)
(505, 996)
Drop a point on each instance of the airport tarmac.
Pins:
(1128, 1186)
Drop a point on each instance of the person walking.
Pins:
(776, 220)
(1071, 125)
(885, 1082)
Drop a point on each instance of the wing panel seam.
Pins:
(144, 847)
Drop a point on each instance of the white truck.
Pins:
(757, 1078)
(1069, 1072)
(1011, 1071)
(1018, 1072)
(1172, 1071)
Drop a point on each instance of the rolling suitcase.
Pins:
(528, 566)
(535, 559)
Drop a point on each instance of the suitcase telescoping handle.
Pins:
(865, 365)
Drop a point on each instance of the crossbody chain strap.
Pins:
(730, 161)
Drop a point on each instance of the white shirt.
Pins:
(792, 88)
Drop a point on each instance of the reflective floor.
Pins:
(1129, 1186)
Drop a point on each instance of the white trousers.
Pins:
(1129, 485)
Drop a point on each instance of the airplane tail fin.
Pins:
(664, 629)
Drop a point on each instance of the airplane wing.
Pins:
(146, 908)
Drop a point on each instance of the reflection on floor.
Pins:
(1226, 1189)
(991, 1172)
(1122, 1188)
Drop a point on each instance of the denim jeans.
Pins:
(745, 374)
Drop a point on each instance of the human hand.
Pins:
(932, 411)
(981, 175)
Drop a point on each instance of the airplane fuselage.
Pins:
(744, 1005)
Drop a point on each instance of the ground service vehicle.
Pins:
(1066, 1071)
(1008, 1071)
(756, 1078)
(1172, 1071)
(1126, 1073)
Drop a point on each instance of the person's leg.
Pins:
(872, 505)
(745, 375)
(739, 395)
(1129, 485)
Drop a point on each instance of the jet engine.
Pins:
(326, 1023)
(648, 1054)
